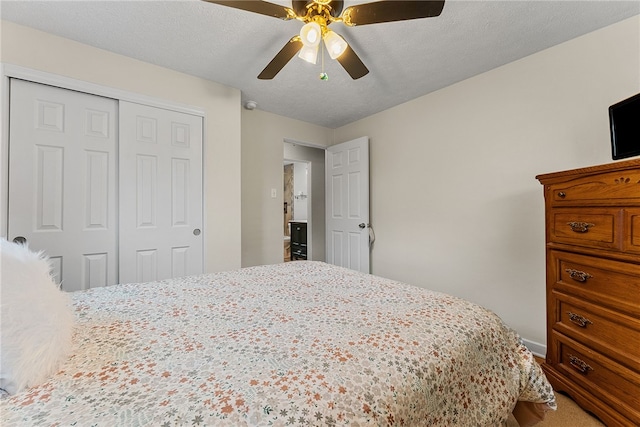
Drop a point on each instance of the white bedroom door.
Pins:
(347, 204)
(62, 180)
(160, 193)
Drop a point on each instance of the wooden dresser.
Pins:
(593, 288)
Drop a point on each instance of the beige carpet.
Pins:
(569, 414)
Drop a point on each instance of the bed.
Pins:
(298, 343)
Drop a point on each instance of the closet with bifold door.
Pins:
(110, 190)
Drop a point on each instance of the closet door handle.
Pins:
(196, 232)
(20, 240)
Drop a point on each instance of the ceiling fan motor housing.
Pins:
(334, 6)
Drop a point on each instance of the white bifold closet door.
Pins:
(111, 191)
(62, 175)
(160, 193)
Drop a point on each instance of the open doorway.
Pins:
(305, 201)
(296, 210)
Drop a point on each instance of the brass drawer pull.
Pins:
(579, 320)
(562, 194)
(580, 227)
(578, 276)
(579, 364)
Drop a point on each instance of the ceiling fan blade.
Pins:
(391, 10)
(352, 63)
(281, 59)
(257, 6)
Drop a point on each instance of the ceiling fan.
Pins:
(319, 14)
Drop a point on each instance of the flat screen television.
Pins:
(624, 122)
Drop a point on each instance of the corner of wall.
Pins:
(537, 349)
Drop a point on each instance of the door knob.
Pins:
(20, 240)
(362, 225)
(196, 232)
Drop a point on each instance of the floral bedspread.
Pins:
(299, 343)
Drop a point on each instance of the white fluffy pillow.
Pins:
(36, 319)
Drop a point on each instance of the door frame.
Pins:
(311, 254)
(9, 71)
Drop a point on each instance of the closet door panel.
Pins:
(62, 180)
(160, 193)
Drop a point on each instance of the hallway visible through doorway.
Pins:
(295, 206)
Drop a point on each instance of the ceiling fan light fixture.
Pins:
(317, 15)
(310, 34)
(335, 44)
(309, 53)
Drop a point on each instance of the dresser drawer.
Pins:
(605, 282)
(591, 227)
(606, 331)
(631, 242)
(614, 384)
(620, 187)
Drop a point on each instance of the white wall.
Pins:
(45, 52)
(454, 200)
(263, 136)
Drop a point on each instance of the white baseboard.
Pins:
(537, 349)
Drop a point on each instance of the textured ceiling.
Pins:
(406, 59)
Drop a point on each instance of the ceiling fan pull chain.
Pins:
(323, 75)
